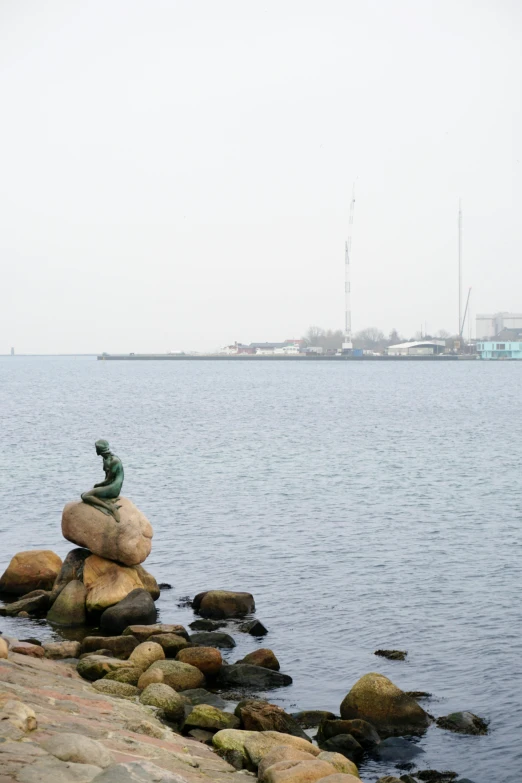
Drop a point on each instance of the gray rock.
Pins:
(120, 646)
(397, 749)
(254, 628)
(392, 655)
(201, 696)
(60, 650)
(52, 770)
(136, 608)
(345, 744)
(207, 625)
(69, 608)
(212, 639)
(138, 772)
(72, 568)
(36, 604)
(361, 730)
(310, 718)
(121, 690)
(463, 723)
(244, 675)
(166, 699)
(77, 748)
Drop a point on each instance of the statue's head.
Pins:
(102, 448)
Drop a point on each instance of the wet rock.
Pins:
(212, 639)
(144, 632)
(166, 699)
(69, 607)
(398, 750)
(434, 776)
(392, 655)
(262, 716)
(463, 723)
(137, 772)
(137, 607)
(389, 779)
(207, 659)
(121, 690)
(262, 657)
(19, 715)
(206, 625)
(59, 650)
(129, 676)
(201, 696)
(128, 542)
(254, 628)
(310, 718)
(145, 654)
(52, 770)
(72, 569)
(170, 642)
(35, 569)
(205, 716)
(23, 648)
(361, 730)
(220, 604)
(298, 771)
(180, 676)
(408, 779)
(36, 604)
(244, 675)
(148, 582)
(4, 649)
(94, 667)
(345, 744)
(281, 753)
(259, 743)
(418, 695)
(376, 699)
(165, 586)
(119, 646)
(77, 748)
(341, 763)
(23, 614)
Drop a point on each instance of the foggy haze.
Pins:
(177, 175)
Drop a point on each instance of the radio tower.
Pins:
(347, 344)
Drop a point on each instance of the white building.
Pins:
(420, 348)
(491, 325)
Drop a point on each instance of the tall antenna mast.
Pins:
(347, 344)
(461, 324)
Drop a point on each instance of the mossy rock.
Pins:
(112, 688)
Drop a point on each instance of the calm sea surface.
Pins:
(364, 505)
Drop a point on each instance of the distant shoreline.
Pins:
(272, 357)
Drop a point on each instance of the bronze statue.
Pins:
(103, 496)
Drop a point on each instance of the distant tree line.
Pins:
(370, 339)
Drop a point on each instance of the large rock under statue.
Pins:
(128, 541)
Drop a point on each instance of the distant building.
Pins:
(499, 350)
(236, 348)
(12, 352)
(420, 348)
(489, 326)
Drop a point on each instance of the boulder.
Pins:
(281, 753)
(463, 723)
(212, 639)
(262, 657)
(254, 628)
(262, 716)
(128, 541)
(119, 646)
(137, 607)
(129, 676)
(232, 740)
(59, 650)
(201, 696)
(122, 690)
(69, 607)
(397, 750)
(374, 698)
(361, 730)
(77, 748)
(180, 676)
(244, 675)
(107, 583)
(19, 715)
(145, 654)
(207, 659)
(36, 603)
(148, 582)
(35, 569)
(4, 648)
(137, 772)
(25, 648)
(170, 642)
(392, 655)
(207, 625)
(344, 744)
(342, 764)
(298, 771)
(389, 779)
(150, 677)
(94, 667)
(259, 743)
(166, 699)
(342, 777)
(220, 604)
(310, 718)
(72, 569)
(143, 632)
(205, 716)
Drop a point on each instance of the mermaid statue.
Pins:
(104, 496)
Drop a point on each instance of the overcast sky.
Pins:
(176, 174)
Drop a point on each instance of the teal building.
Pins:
(497, 350)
